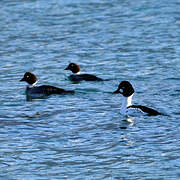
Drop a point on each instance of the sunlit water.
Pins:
(84, 136)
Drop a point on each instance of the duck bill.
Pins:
(116, 92)
(22, 79)
(67, 68)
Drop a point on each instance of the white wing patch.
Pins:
(135, 112)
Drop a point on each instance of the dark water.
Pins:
(84, 136)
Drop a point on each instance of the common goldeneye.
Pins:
(40, 91)
(125, 88)
(76, 76)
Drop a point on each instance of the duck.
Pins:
(126, 89)
(40, 91)
(76, 76)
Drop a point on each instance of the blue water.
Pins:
(84, 136)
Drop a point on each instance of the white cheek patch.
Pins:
(121, 90)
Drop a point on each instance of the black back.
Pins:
(150, 111)
(48, 90)
(85, 77)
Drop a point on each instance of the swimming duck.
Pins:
(39, 91)
(126, 89)
(76, 76)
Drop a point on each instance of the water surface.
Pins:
(84, 136)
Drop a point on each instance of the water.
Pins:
(84, 136)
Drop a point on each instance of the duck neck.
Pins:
(127, 101)
(77, 73)
(32, 85)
